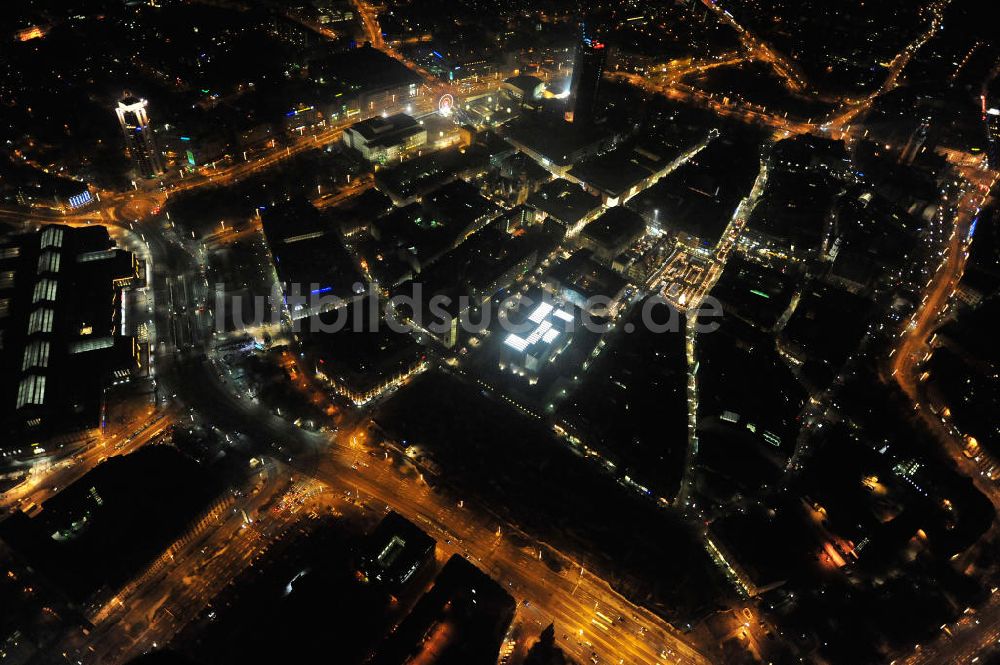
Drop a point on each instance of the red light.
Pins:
(598, 45)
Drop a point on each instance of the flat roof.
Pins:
(395, 550)
(306, 251)
(547, 324)
(364, 352)
(586, 276)
(565, 201)
(379, 127)
(364, 68)
(524, 82)
(616, 171)
(614, 225)
(472, 613)
(553, 139)
(61, 314)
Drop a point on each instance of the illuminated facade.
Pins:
(591, 56)
(546, 332)
(139, 138)
(382, 139)
(992, 116)
(361, 395)
(739, 576)
(64, 338)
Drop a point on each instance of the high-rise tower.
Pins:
(992, 117)
(591, 56)
(139, 136)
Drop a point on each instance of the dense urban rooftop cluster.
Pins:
(477, 333)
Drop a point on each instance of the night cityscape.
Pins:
(412, 332)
